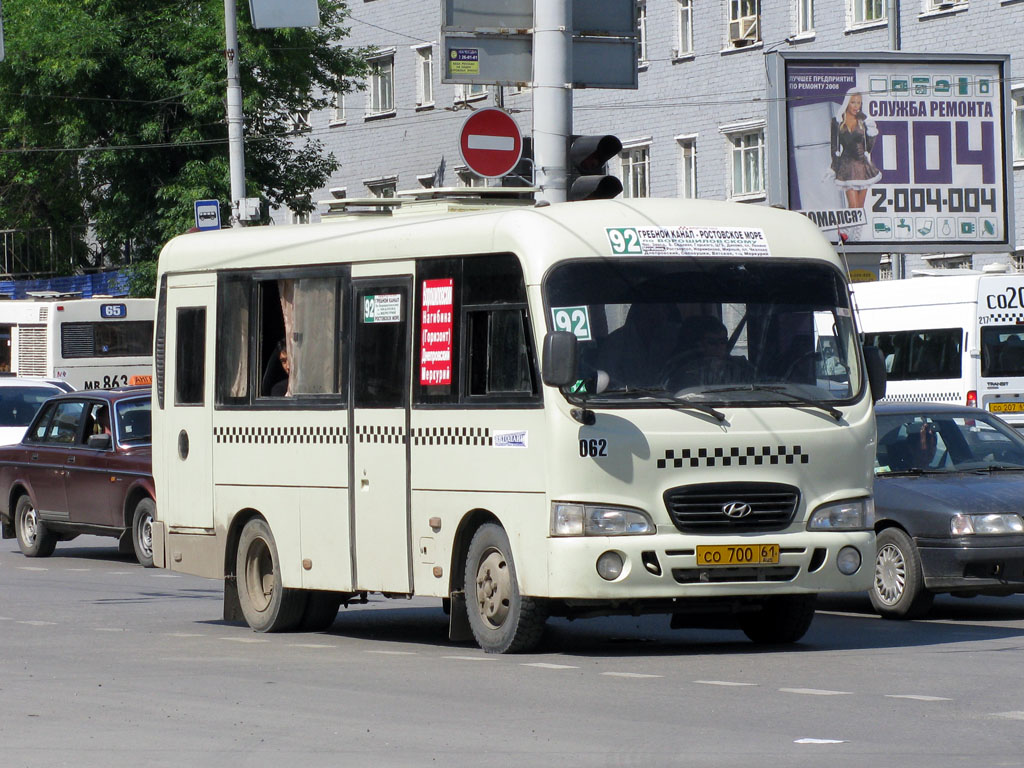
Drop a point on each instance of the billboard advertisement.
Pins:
(898, 152)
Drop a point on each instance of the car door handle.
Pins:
(71, 459)
(35, 457)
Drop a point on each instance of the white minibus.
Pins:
(95, 343)
(571, 410)
(955, 338)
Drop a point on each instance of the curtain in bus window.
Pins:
(309, 309)
(234, 350)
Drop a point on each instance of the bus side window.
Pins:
(190, 356)
(499, 357)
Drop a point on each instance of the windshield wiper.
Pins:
(912, 472)
(678, 403)
(835, 413)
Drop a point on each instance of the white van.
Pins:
(571, 410)
(956, 338)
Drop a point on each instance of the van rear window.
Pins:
(920, 354)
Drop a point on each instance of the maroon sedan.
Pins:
(84, 466)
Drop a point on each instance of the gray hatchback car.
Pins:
(949, 505)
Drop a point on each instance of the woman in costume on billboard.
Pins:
(853, 136)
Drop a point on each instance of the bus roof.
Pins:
(543, 234)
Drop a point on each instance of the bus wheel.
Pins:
(266, 605)
(142, 532)
(783, 619)
(502, 620)
(898, 591)
(34, 539)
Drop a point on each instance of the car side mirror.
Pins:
(875, 361)
(559, 359)
(101, 442)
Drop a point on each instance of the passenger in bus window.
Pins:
(280, 388)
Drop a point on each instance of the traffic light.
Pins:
(588, 177)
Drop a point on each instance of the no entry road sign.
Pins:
(490, 143)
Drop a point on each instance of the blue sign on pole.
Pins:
(207, 215)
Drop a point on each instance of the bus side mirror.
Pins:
(875, 362)
(559, 359)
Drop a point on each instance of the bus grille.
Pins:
(32, 350)
(754, 507)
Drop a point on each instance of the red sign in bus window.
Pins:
(436, 332)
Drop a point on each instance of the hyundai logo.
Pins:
(736, 509)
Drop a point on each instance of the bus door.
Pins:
(379, 458)
(188, 398)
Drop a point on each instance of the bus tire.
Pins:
(266, 605)
(321, 610)
(782, 619)
(142, 532)
(502, 620)
(34, 538)
(897, 590)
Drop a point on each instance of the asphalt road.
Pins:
(108, 664)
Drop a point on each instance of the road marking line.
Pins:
(39, 623)
(245, 640)
(78, 570)
(815, 692)
(629, 674)
(915, 697)
(1010, 715)
(395, 653)
(309, 645)
(118, 573)
(720, 682)
(109, 629)
(31, 568)
(543, 665)
(166, 576)
(467, 658)
(819, 741)
(185, 634)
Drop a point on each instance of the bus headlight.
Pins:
(854, 515)
(963, 525)
(594, 520)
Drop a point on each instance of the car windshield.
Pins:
(706, 331)
(19, 404)
(133, 419)
(929, 442)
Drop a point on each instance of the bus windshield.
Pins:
(708, 331)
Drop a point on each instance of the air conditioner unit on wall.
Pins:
(745, 30)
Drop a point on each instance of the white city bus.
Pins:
(572, 410)
(952, 338)
(97, 343)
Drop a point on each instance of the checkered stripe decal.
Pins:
(366, 433)
(927, 397)
(722, 457)
(452, 436)
(280, 435)
(1003, 317)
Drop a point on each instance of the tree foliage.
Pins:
(112, 115)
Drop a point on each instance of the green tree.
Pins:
(112, 116)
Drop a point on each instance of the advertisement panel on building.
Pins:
(901, 152)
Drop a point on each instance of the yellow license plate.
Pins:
(1006, 407)
(740, 554)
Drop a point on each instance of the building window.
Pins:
(747, 162)
(685, 41)
(951, 261)
(641, 28)
(636, 172)
(868, 11)
(885, 268)
(382, 187)
(744, 22)
(688, 166)
(1017, 261)
(1017, 100)
(300, 121)
(338, 113)
(381, 99)
(943, 5)
(804, 17)
(470, 92)
(424, 76)
(469, 179)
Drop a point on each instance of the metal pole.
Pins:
(236, 122)
(552, 96)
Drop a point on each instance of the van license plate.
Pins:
(1006, 407)
(728, 554)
